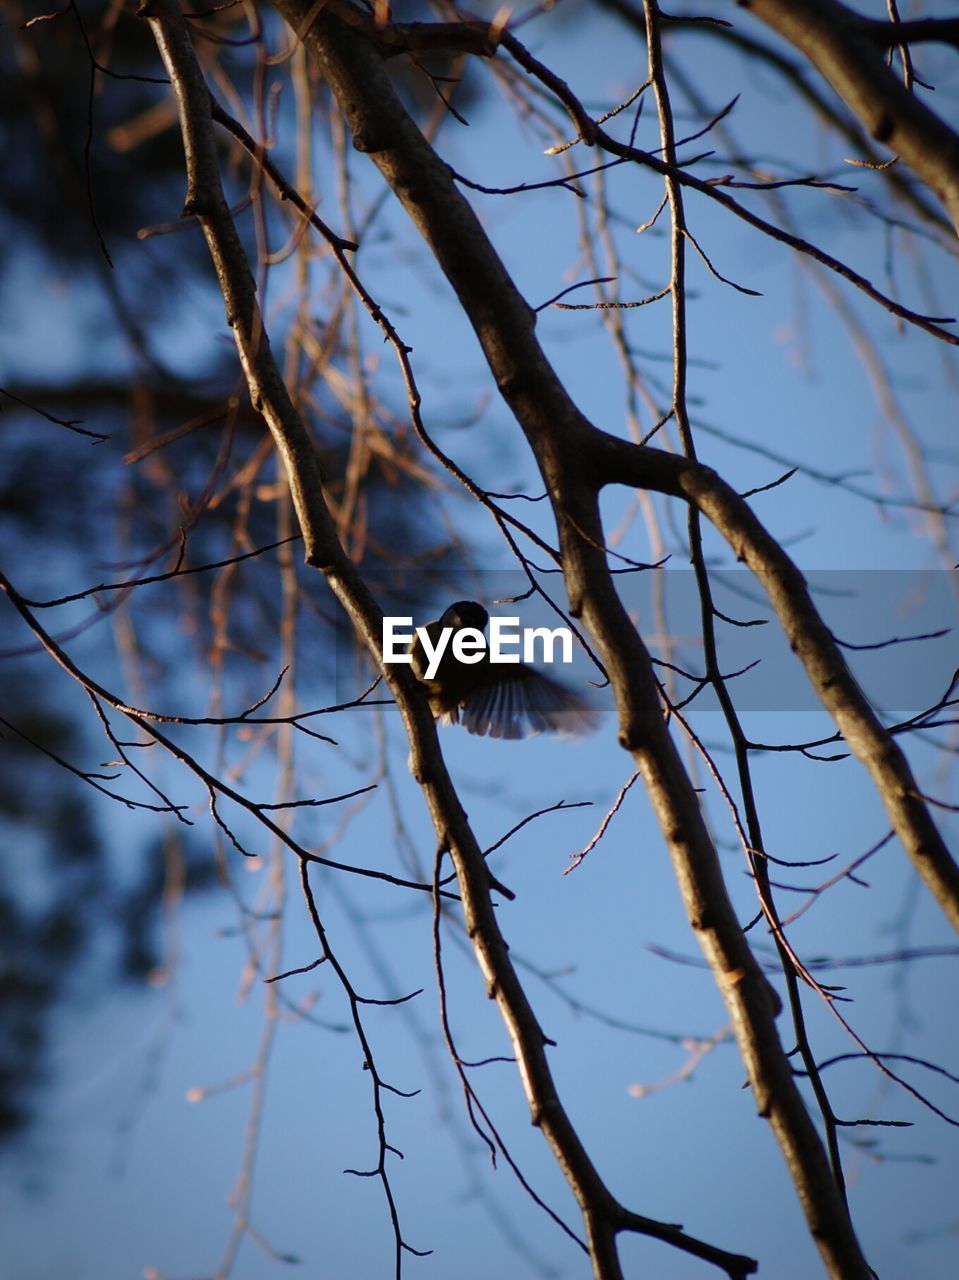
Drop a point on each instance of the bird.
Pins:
(495, 699)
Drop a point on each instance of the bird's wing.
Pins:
(519, 701)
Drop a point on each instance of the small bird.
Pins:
(503, 700)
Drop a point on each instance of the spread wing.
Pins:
(518, 701)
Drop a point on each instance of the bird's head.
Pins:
(466, 613)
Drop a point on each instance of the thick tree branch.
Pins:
(814, 645)
(602, 1214)
(572, 454)
(915, 31)
(845, 49)
(817, 97)
(755, 843)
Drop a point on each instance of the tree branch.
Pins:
(845, 49)
(569, 451)
(270, 397)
